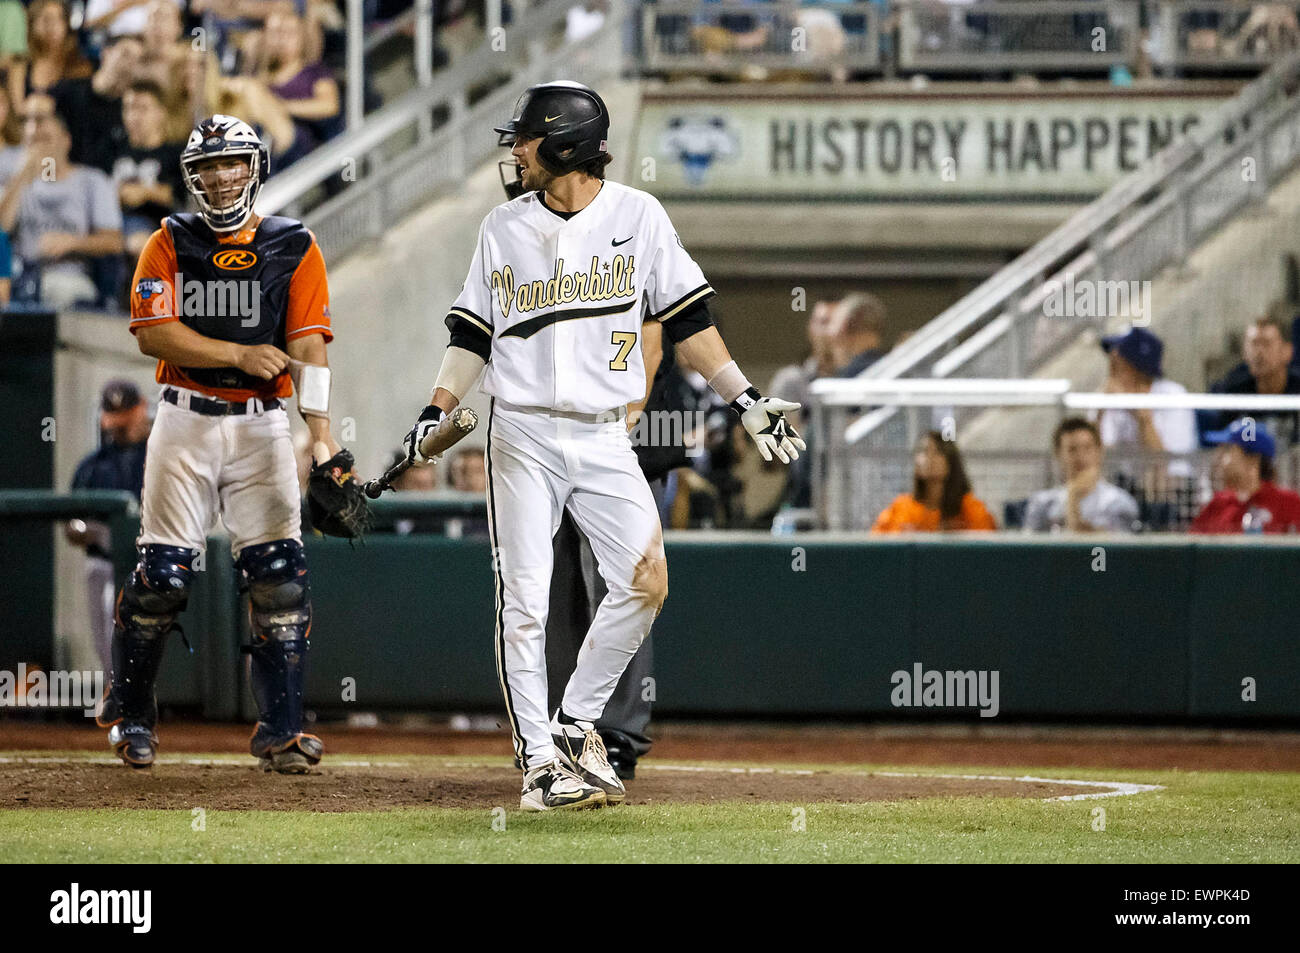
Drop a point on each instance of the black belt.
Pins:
(212, 407)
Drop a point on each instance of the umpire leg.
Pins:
(577, 590)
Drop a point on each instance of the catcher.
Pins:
(235, 308)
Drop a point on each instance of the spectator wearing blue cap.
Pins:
(1249, 502)
(1135, 368)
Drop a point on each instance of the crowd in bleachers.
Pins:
(97, 101)
(863, 39)
(1150, 482)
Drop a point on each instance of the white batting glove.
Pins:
(429, 420)
(764, 420)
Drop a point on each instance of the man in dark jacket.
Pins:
(1265, 369)
(118, 464)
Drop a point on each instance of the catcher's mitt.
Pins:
(335, 500)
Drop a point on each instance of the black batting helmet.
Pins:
(569, 118)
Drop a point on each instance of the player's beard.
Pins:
(537, 179)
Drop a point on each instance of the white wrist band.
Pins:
(313, 384)
(729, 383)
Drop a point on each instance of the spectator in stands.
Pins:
(941, 497)
(147, 171)
(732, 32)
(119, 17)
(243, 97)
(1135, 368)
(467, 471)
(1085, 502)
(1266, 354)
(119, 63)
(118, 464)
(305, 88)
(856, 334)
(413, 479)
(61, 213)
(13, 33)
(324, 32)
(794, 379)
(53, 56)
(825, 38)
(1249, 502)
(164, 60)
(424, 480)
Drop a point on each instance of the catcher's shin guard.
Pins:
(275, 576)
(147, 607)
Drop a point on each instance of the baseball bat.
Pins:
(450, 431)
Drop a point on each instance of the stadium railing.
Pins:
(1150, 219)
(854, 478)
(953, 37)
(1060, 36)
(1213, 35)
(733, 38)
(427, 141)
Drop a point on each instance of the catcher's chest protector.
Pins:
(234, 292)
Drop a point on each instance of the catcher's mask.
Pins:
(569, 118)
(514, 184)
(221, 137)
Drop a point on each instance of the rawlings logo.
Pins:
(235, 259)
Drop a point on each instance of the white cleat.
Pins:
(553, 787)
(582, 750)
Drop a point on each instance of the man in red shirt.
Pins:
(1250, 501)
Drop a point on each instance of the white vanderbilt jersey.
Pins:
(564, 300)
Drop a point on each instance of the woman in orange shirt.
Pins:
(941, 498)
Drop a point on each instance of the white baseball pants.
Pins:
(538, 462)
(242, 467)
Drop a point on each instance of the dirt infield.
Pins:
(373, 769)
(176, 784)
(997, 746)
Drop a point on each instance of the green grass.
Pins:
(1198, 818)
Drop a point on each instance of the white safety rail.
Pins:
(853, 480)
(354, 188)
(1150, 219)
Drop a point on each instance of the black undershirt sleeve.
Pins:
(688, 321)
(469, 336)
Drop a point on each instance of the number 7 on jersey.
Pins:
(626, 340)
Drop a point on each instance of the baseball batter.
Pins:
(555, 297)
(225, 299)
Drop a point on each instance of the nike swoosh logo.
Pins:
(553, 118)
(623, 242)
